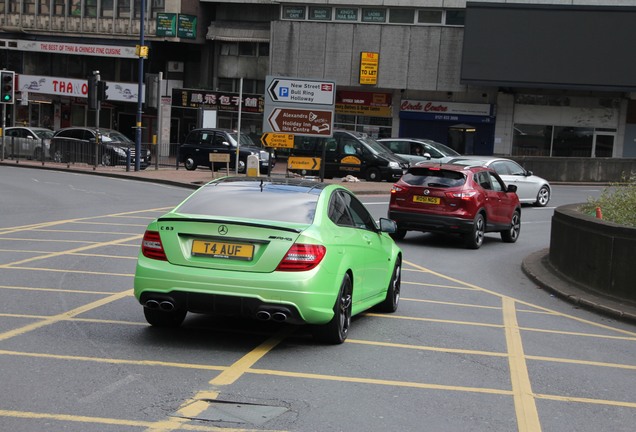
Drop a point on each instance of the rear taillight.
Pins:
(151, 246)
(302, 257)
(464, 195)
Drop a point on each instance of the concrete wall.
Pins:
(411, 57)
(594, 253)
(568, 169)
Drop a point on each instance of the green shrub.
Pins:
(617, 203)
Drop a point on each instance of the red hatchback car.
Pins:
(454, 199)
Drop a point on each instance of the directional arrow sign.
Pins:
(301, 121)
(302, 91)
(306, 163)
(277, 140)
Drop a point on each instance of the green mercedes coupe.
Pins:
(292, 251)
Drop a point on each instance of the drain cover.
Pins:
(234, 412)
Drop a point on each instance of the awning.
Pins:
(234, 31)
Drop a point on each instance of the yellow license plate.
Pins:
(215, 249)
(425, 199)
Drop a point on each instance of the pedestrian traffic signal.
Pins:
(7, 89)
(101, 90)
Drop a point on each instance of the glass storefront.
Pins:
(563, 141)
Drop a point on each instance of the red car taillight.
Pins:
(464, 195)
(302, 257)
(151, 246)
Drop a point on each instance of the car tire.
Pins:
(164, 319)
(58, 156)
(390, 303)
(373, 174)
(512, 234)
(335, 331)
(189, 163)
(475, 238)
(242, 166)
(399, 234)
(107, 159)
(543, 197)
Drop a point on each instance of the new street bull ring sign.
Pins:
(299, 106)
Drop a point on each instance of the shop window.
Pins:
(123, 9)
(401, 16)
(531, 140)
(373, 15)
(59, 7)
(28, 7)
(156, 7)
(229, 49)
(107, 8)
(90, 10)
(429, 16)
(263, 49)
(319, 13)
(75, 7)
(44, 7)
(455, 17)
(572, 141)
(247, 49)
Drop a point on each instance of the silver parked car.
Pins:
(419, 149)
(531, 189)
(27, 142)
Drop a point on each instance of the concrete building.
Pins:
(548, 78)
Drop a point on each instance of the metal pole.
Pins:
(99, 103)
(159, 121)
(238, 132)
(140, 87)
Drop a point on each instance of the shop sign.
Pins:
(372, 104)
(445, 108)
(220, 101)
(187, 26)
(120, 92)
(167, 24)
(77, 49)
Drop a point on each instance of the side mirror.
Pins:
(427, 156)
(388, 226)
(511, 188)
(529, 173)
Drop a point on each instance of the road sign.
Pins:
(306, 163)
(301, 121)
(296, 91)
(277, 140)
(219, 157)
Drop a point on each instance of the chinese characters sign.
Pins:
(221, 101)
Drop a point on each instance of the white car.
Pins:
(419, 149)
(26, 142)
(531, 189)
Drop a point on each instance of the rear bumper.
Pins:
(308, 297)
(429, 222)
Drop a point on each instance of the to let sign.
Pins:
(301, 121)
(369, 62)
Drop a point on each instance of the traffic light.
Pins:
(7, 91)
(102, 86)
(92, 92)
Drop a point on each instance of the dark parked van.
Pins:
(350, 153)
